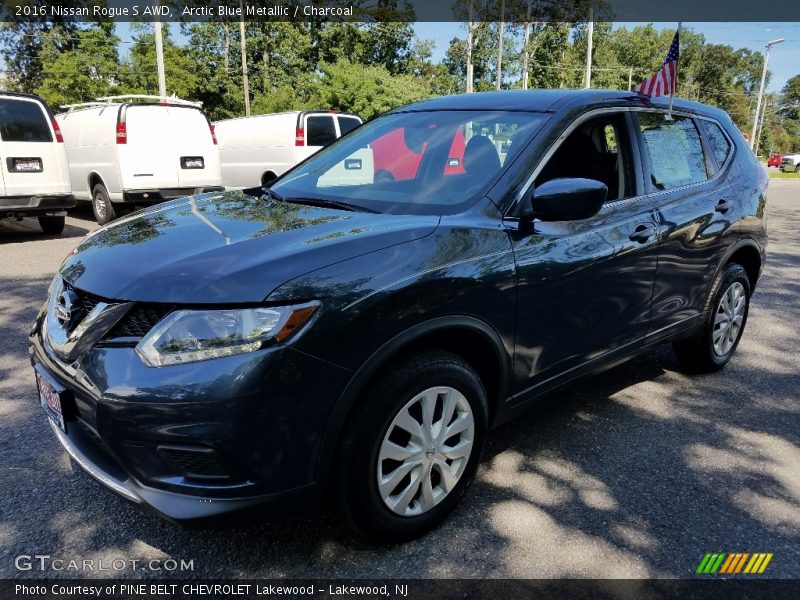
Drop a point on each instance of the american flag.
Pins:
(665, 81)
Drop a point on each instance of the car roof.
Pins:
(554, 99)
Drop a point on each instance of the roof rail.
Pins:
(170, 99)
(71, 107)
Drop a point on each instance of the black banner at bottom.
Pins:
(406, 589)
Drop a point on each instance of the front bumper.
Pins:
(35, 205)
(262, 415)
(162, 194)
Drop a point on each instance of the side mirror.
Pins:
(565, 199)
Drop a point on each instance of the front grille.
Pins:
(84, 304)
(195, 463)
(139, 320)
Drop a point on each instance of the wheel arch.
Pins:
(748, 254)
(469, 337)
(93, 179)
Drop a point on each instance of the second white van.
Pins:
(133, 150)
(255, 150)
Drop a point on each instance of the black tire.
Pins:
(697, 354)
(102, 207)
(52, 225)
(797, 169)
(368, 424)
(268, 178)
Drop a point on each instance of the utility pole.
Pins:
(470, 25)
(501, 31)
(761, 89)
(526, 47)
(587, 78)
(245, 83)
(162, 79)
(630, 78)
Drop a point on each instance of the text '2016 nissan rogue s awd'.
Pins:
(343, 336)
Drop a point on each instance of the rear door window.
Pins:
(720, 146)
(673, 149)
(23, 121)
(347, 124)
(320, 130)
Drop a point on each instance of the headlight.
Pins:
(191, 335)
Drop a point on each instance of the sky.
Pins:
(783, 61)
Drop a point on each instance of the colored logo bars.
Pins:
(732, 563)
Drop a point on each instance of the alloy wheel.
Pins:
(729, 318)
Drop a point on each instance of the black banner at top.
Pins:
(518, 11)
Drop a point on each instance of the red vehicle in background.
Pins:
(775, 160)
(394, 160)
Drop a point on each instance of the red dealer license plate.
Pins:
(51, 401)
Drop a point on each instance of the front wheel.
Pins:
(102, 206)
(724, 319)
(412, 447)
(52, 225)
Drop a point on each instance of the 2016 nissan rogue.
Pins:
(343, 336)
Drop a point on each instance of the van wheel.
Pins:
(268, 178)
(52, 225)
(101, 205)
(723, 323)
(412, 447)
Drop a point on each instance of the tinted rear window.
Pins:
(347, 124)
(23, 121)
(321, 131)
(720, 146)
(673, 149)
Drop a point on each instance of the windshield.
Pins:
(434, 162)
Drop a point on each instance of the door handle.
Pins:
(723, 206)
(643, 232)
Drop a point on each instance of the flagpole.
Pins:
(672, 88)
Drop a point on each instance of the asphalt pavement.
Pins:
(635, 473)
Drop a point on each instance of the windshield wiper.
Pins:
(330, 203)
(263, 192)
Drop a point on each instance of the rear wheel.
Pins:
(797, 169)
(412, 447)
(52, 225)
(724, 319)
(102, 206)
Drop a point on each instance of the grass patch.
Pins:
(776, 174)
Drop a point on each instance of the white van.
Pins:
(34, 179)
(255, 150)
(129, 150)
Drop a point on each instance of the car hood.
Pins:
(226, 247)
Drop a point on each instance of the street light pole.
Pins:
(761, 89)
(760, 127)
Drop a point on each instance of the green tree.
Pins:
(365, 90)
(140, 75)
(88, 70)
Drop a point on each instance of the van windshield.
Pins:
(432, 162)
